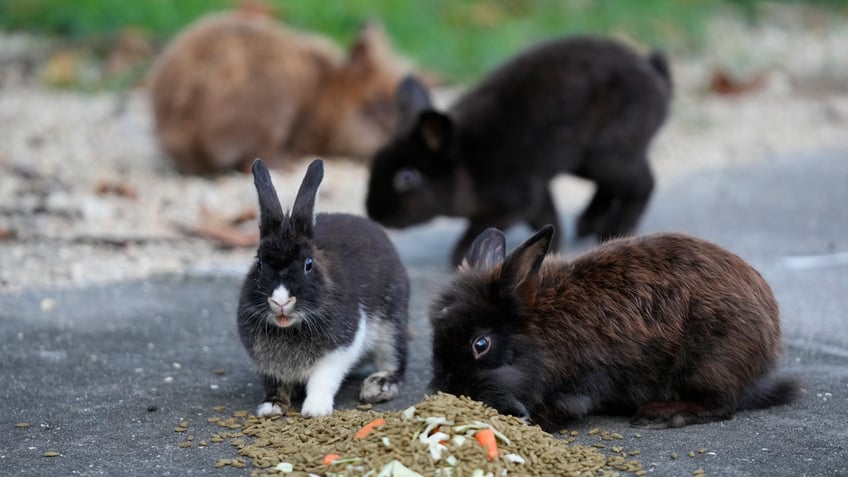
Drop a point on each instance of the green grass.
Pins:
(458, 38)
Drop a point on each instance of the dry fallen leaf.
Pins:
(61, 69)
(122, 189)
(245, 215)
(226, 235)
(227, 231)
(724, 83)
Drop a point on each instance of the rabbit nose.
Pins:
(285, 307)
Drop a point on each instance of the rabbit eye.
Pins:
(481, 346)
(407, 179)
(307, 265)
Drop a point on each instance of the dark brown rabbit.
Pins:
(585, 106)
(235, 86)
(668, 327)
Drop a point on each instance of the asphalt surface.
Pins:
(104, 374)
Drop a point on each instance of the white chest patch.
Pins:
(329, 372)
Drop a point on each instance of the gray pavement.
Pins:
(105, 373)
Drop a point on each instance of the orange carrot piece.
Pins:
(486, 438)
(330, 458)
(367, 428)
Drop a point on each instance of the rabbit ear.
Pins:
(434, 129)
(412, 98)
(488, 250)
(521, 267)
(270, 210)
(303, 211)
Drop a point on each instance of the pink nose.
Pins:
(286, 307)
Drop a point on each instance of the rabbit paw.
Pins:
(314, 406)
(269, 409)
(379, 387)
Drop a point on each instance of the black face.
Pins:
(409, 184)
(286, 261)
(473, 351)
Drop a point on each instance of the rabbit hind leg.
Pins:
(623, 190)
(277, 397)
(666, 414)
(390, 355)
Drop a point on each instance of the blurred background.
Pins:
(86, 194)
(111, 43)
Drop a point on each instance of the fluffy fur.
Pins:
(347, 297)
(583, 105)
(666, 327)
(235, 86)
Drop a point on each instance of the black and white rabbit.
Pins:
(587, 106)
(326, 290)
(668, 327)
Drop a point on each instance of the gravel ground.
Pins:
(86, 196)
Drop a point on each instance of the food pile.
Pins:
(443, 435)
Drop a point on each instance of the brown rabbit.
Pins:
(235, 86)
(669, 327)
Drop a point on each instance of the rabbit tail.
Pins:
(770, 391)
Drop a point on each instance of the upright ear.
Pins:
(369, 45)
(488, 250)
(303, 211)
(521, 267)
(412, 98)
(270, 211)
(434, 130)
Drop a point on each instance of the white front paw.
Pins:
(317, 406)
(268, 409)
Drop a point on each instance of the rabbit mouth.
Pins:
(282, 313)
(284, 321)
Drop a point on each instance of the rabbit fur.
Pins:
(326, 291)
(667, 327)
(234, 86)
(587, 106)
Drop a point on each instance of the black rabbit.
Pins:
(325, 291)
(583, 105)
(669, 327)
